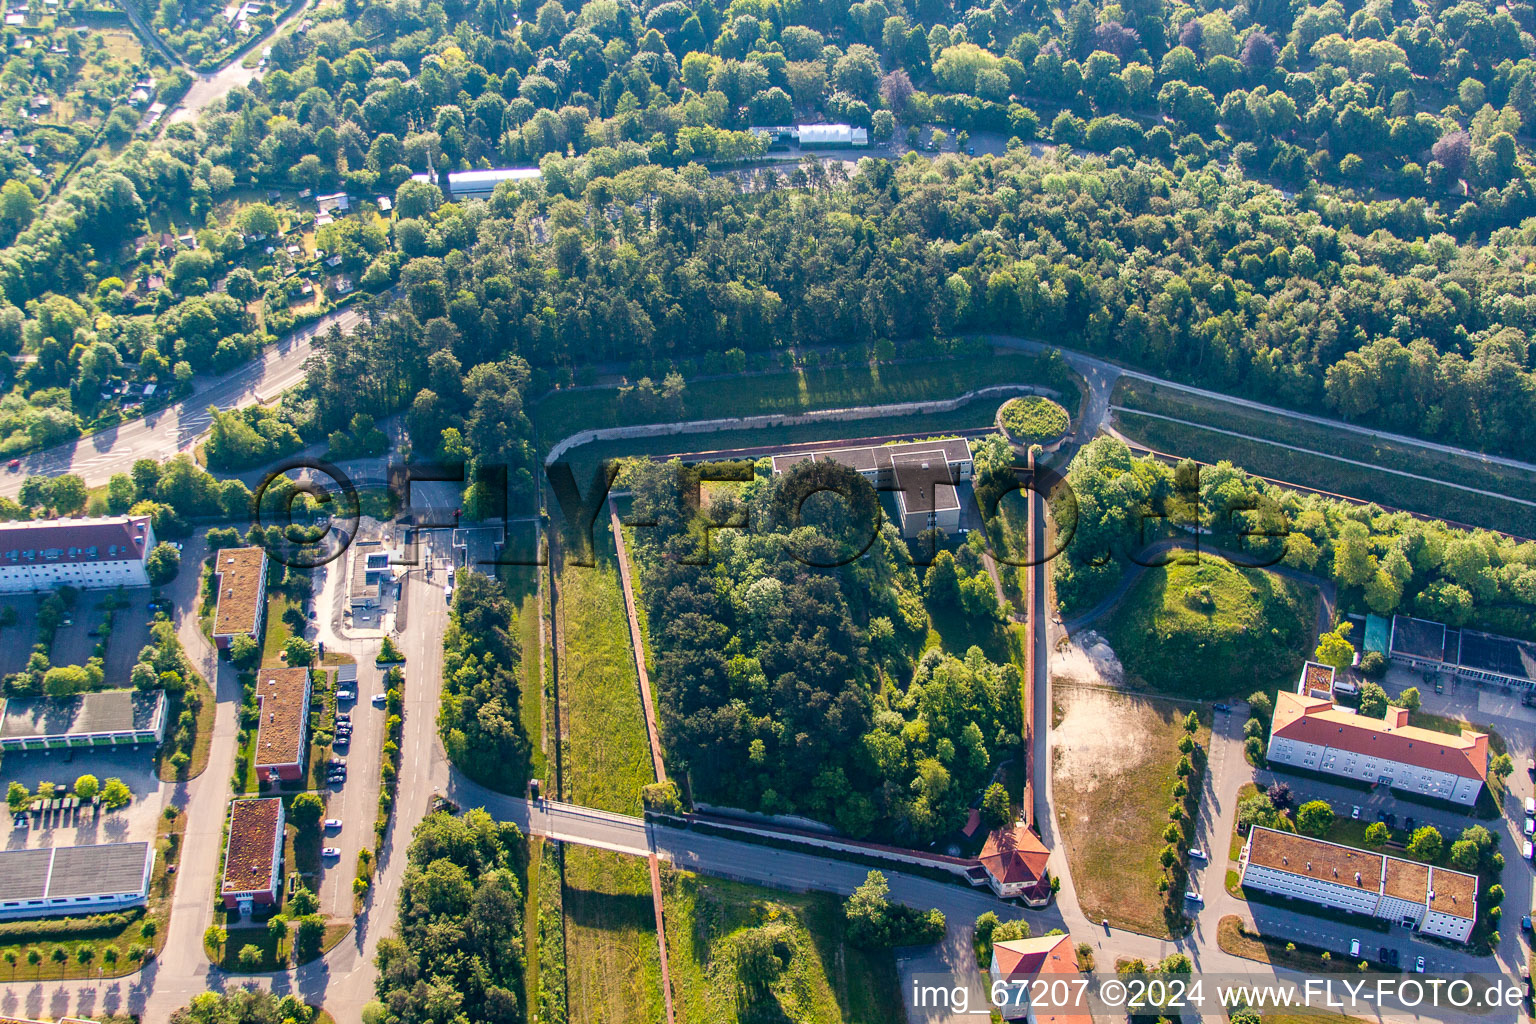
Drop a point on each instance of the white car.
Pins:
(331, 851)
(1198, 853)
(1418, 967)
(1530, 827)
(1529, 851)
(1355, 814)
(1194, 897)
(332, 823)
(379, 700)
(345, 695)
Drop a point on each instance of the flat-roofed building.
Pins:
(1465, 653)
(282, 730)
(241, 607)
(1316, 680)
(1018, 963)
(923, 474)
(63, 880)
(830, 135)
(1433, 900)
(1311, 733)
(107, 718)
(253, 853)
(480, 184)
(1422, 644)
(41, 554)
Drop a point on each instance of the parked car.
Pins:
(1529, 853)
(1194, 897)
(1222, 707)
(1354, 947)
(343, 716)
(1525, 923)
(1530, 827)
(331, 851)
(379, 700)
(1397, 958)
(1408, 823)
(1197, 853)
(345, 695)
(1382, 957)
(338, 762)
(332, 823)
(1418, 967)
(1355, 814)
(13, 464)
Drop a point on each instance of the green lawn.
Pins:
(1323, 473)
(608, 759)
(277, 630)
(824, 981)
(1113, 772)
(795, 391)
(614, 965)
(199, 692)
(520, 583)
(1211, 629)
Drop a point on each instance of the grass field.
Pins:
(788, 392)
(531, 690)
(608, 759)
(1211, 629)
(278, 631)
(613, 962)
(824, 980)
(1113, 757)
(202, 732)
(1314, 470)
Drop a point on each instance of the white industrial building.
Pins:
(61, 880)
(1312, 733)
(1432, 900)
(480, 184)
(41, 554)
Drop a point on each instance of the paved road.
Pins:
(174, 429)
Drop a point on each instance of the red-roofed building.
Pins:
(1014, 860)
(1016, 963)
(41, 554)
(1311, 733)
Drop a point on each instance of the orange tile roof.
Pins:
(1021, 959)
(1014, 855)
(1316, 721)
(239, 572)
(282, 696)
(248, 861)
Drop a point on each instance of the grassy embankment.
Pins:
(1313, 467)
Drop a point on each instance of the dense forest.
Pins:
(459, 954)
(1321, 204)
(479, 721)
(788, 685)
(1382, 562)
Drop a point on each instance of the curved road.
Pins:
(174, 429)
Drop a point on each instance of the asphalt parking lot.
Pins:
(134, 823)
(16, 640)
